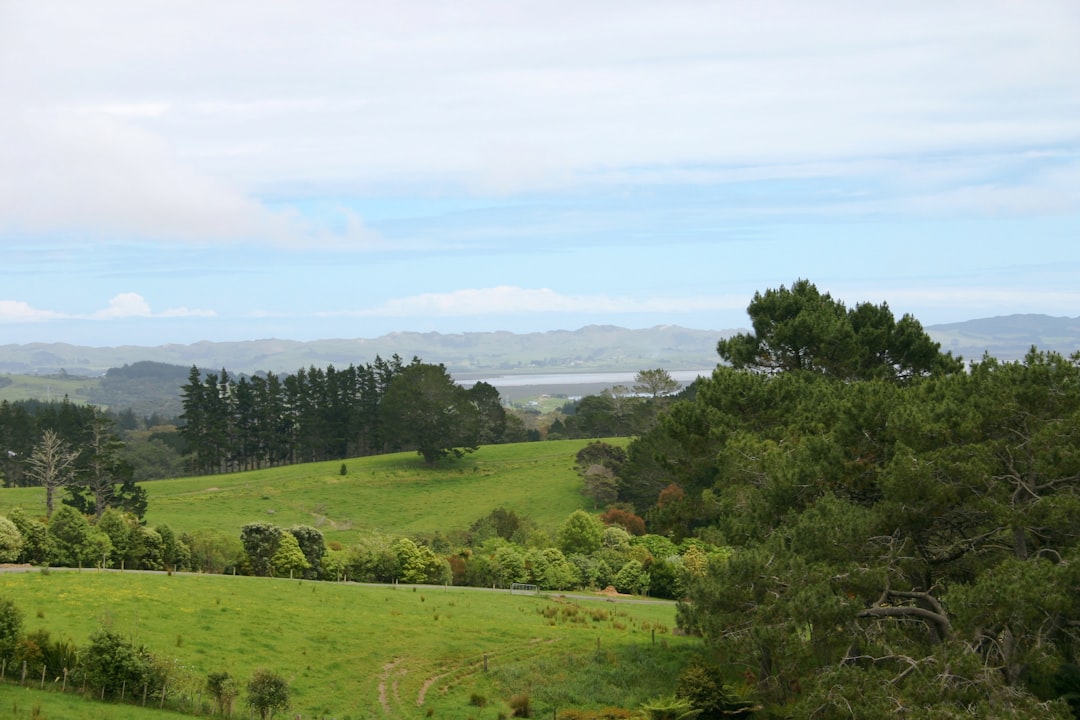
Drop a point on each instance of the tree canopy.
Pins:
(802, 328)
(904, 535)
(424, 409)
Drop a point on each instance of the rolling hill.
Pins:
(148, 379)
(393, 493)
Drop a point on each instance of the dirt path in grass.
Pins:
(384, 698)
(468, 667)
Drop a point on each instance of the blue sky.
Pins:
(173, 171)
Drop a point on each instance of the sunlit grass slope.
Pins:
(391, 493)
(49, 387)
(366, 651)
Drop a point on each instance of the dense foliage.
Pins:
(902, 541)
(330, 414)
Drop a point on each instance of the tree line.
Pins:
(317, 414)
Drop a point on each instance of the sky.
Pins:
(185, 170)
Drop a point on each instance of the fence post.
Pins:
(63, 688)
(42, 686)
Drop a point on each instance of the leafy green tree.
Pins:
(425, 409)
(223, 688)
(11, 628)
(601, 453)
(37, 545)
(114, 665)
(655, 383)
(11, 541)
(508, 565)
(147, 548)
(213, 551)
(502, 523)
(118, 526)
(153, 458)
(261, 541)
(74, 542)
(175, 554)
(418, 564)
(580, 533)
(313, 546)
(632, 578)
(267, 692)
(373, 559)
(551, 570)
(490, 413)
(288, 560)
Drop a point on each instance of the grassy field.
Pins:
(353, 651)
(390, 493)
(48, 387)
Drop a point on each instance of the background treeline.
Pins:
(231, 424)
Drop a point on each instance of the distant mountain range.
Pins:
(596, 348)
(592, 348)
(1008, 337)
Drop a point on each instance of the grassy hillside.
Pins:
(391, 493)
(366, 651)
(48, 387)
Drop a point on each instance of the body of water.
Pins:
(591, 378)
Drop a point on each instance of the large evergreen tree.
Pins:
(424, 409)
(802, 328)
(904, 536)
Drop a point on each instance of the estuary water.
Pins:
(586, 378)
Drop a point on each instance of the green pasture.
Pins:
(352, 651)
(31, 704)
(393, 493)
(49, 387)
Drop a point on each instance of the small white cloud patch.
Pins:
(122, 306)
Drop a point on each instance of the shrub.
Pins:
(266, 692)
(222, 687)
(11, 626)
(11, 541)
(113, 664)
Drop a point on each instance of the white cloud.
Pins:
(125, 305)
(509, 300)
(168, 120)
(122, 306)
(15, 311)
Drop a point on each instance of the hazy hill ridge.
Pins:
(591, 348)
